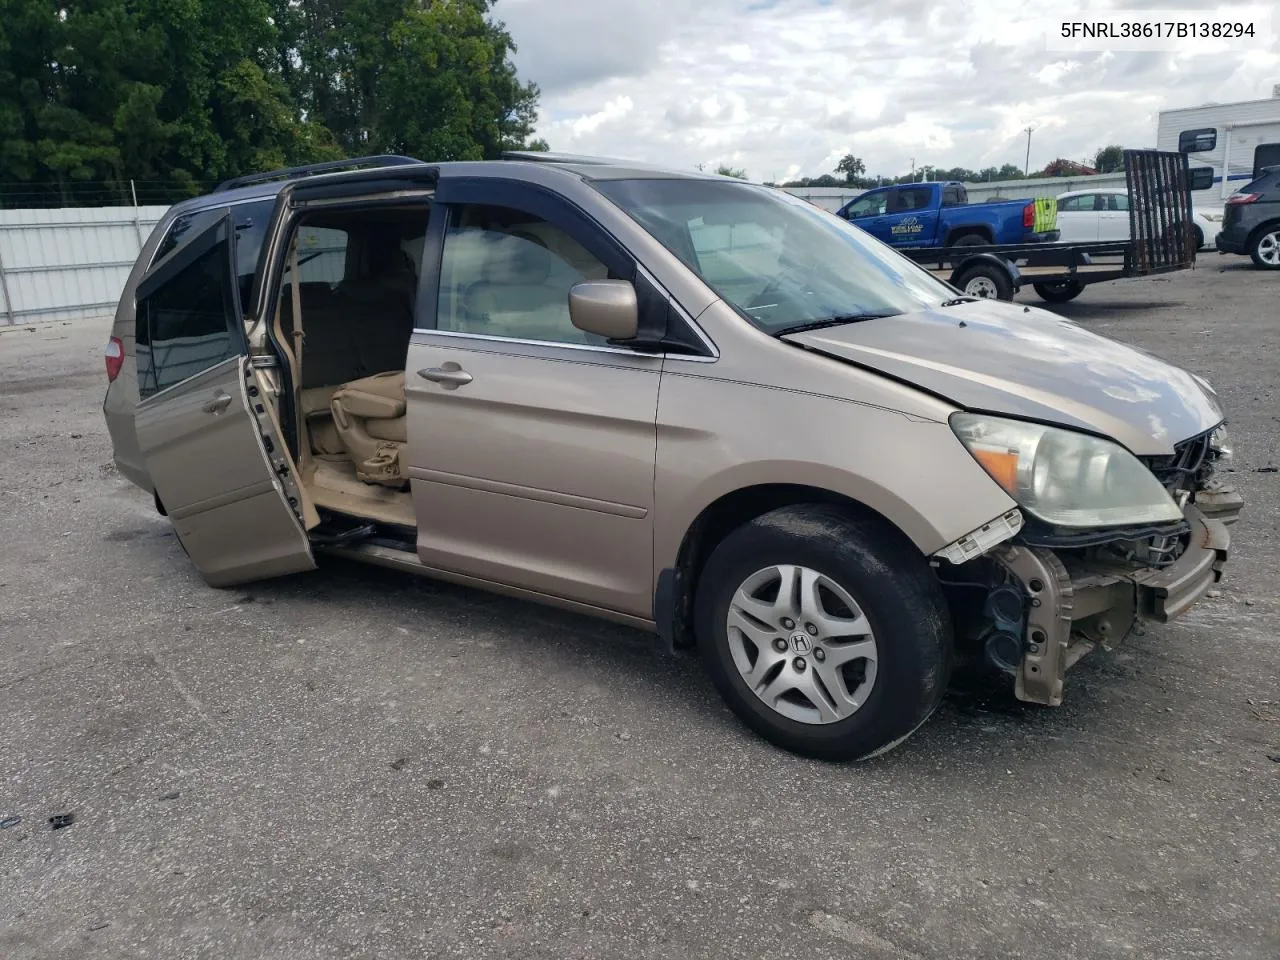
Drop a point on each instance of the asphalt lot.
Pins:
(354, 763)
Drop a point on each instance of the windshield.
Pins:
(782, 262)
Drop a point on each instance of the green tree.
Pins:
(431, 78)
(450, 90)
(1109, 159)
(851, 167)
(725, 170)
(189, 92)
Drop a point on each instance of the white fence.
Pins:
(68, 263)
(1042, 187)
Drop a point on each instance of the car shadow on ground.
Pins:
(978, 701)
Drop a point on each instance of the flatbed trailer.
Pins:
(1162, 240)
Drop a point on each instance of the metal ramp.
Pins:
(1161, 234)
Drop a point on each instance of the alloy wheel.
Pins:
(1269, 248)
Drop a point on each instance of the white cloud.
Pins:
(612, 112)
(787, 87)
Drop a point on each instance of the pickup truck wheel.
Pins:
(825, 632)
(1059, 292)
(986, 281)
(1265, 249)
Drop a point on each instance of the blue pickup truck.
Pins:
(940, 215)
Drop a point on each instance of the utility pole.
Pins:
(1026, 170)
(913, 168)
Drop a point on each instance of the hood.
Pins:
(1029, 363)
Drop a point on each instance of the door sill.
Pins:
(340, 529)
(395, 555)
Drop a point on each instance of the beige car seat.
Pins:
(369, 415)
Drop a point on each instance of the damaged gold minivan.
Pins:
(690, 404)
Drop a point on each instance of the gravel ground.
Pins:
(360, 764)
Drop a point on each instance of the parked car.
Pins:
(940, 215)
(685, 403)
(1251, 221)
(1086, 216)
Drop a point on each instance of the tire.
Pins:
(986, 280)
(966, 240)
(1059, 292)
(1198, 237)
(1264, 249)
(886, 696)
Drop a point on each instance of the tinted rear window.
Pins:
(1267, 183)
(251, 219)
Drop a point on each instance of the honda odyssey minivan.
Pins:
(690, 404)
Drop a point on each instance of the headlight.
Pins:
(1220, 443)
(1214, 217)
(1065, 478)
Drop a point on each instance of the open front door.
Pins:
(217, 467)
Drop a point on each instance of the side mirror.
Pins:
(607, 308)
(1201, 178)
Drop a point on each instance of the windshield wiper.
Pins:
(836, 321)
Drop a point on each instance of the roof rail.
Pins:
(311, 169)
(546, 156)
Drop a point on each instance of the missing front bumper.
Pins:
(1072, 611)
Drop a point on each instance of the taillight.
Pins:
(1029, 215)
(115, 357)
(1244, 198)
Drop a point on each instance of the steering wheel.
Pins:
(762, 298)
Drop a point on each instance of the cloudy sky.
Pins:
(784, 88)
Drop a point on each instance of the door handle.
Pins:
(450, 376)
(219, 403)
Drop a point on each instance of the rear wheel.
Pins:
(986, 281)
(1265, 250)
(1059, 292)
(825, 633)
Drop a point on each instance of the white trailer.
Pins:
(1236, 139)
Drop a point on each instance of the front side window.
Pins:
(781, 262)
(872, 205)
(1077, 204)
(185, 326)
(506, 273)
(1118, 202)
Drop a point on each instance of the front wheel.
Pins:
(1059, 292)
(1266, 249)
(825, 633)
